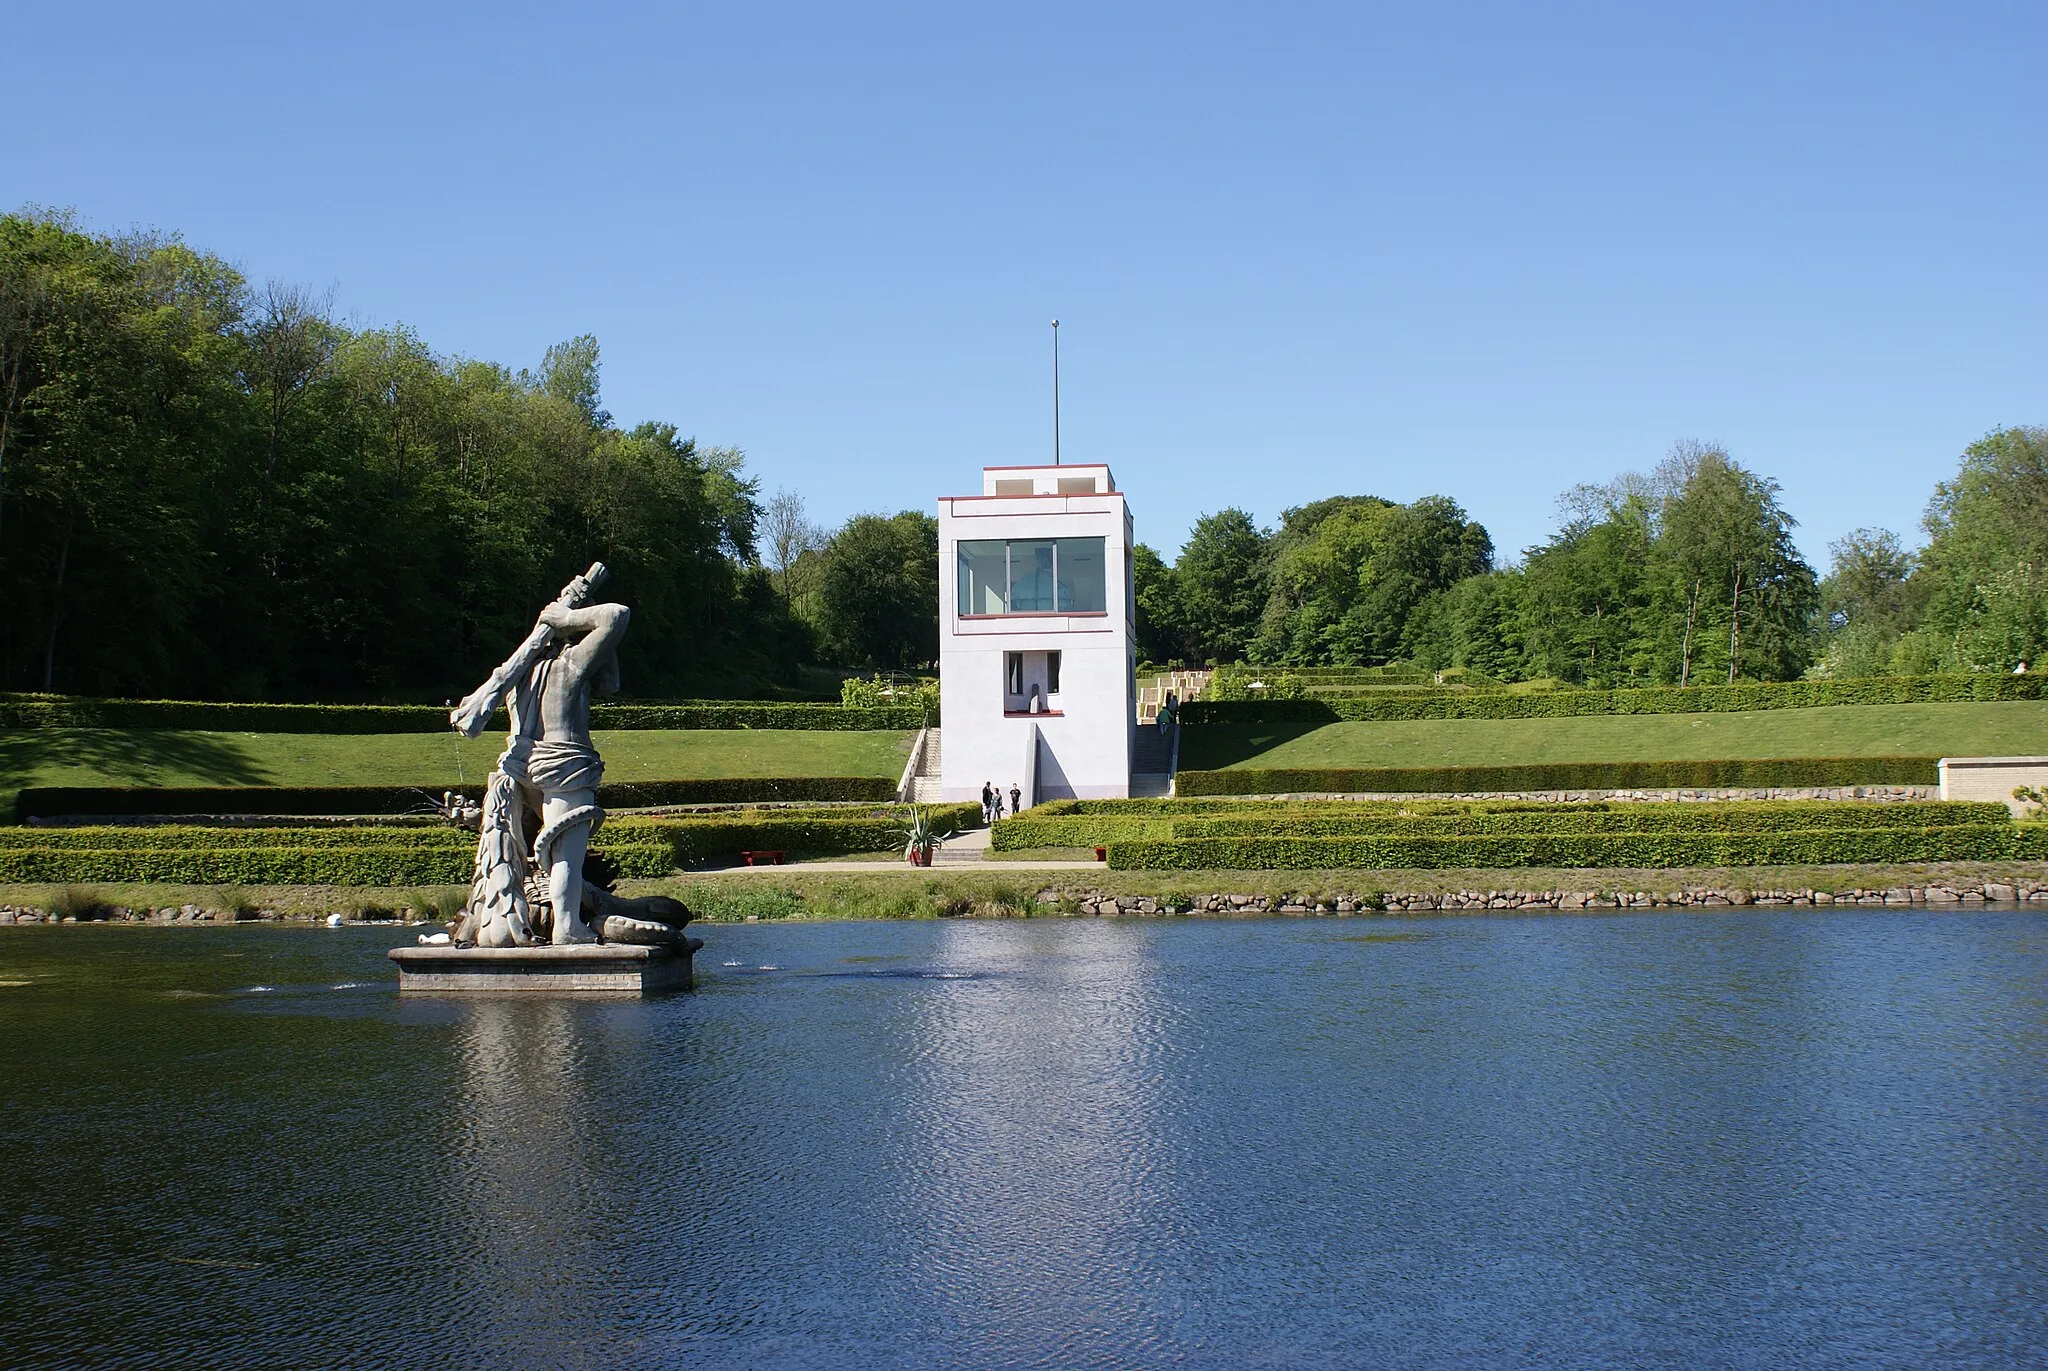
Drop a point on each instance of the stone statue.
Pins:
(546, 783)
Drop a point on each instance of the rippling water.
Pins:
(1743, 1140)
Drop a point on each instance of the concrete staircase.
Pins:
(924, 783)
(1152, 763)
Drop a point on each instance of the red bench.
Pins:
(772, 856)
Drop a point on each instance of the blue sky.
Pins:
(1296, 250)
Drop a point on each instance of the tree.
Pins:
(878, 591)
(788, 534)
(1159, 618)
(1222, 578)
(1987, 551)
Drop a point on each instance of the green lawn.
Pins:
(84, 756)
(1927, 730)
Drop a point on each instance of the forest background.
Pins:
(215, 490)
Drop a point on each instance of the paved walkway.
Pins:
(967, 851)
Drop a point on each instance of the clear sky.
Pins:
(1487, 251)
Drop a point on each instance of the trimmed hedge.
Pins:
(1755, 773)
(362, 865)
(1073, 830)
(46, 801)
(64, 711)
(424, 837)
(1961, 842)
(1737, 817)
(724, 836)
(1382, 706)
(423, 855)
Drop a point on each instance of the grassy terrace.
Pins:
(79, 756)
(1974, 729)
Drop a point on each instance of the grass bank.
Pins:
(173, 757)
(795, 895)
(2002, 728)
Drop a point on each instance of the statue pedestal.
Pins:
(583, 968)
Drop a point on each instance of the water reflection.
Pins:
(1037, 1186)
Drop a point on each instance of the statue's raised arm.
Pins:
(470, 717)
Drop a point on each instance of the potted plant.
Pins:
(921, 837)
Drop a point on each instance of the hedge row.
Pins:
(721, 837)
(423, 838)
(1963, 842)
(1694, 775)
(421, 856)
(59, 711)
(1090, 823)
(46, 801)
(1766, 817)
(360, 865)
(1384, 706)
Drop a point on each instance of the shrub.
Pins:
(1326, 707)
(1960, 842)
(1726, 817)
(61, 711)
(1028, 830)
(1686, 775)
(44, 802)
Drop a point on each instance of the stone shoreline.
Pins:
(1952, 895)
(1085, 900)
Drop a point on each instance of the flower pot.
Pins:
(920, 856)
(1101, 854)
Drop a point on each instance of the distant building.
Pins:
(1036, 674)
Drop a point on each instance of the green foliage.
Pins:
(390, 855)
(877, 591)
(60, 711)
(902, 697)
(1159, 630)
(1347, 573)
(1250, 683)
(1095, 823)
(1614, 817)
(40, 802)
(1954, 843)
(217, 490)
(1324, 707)
(1220, 580)
(1667, 775)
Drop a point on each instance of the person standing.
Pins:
(995, 804)
(988, 795)
(1016, 798)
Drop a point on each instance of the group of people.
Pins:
(992, 801)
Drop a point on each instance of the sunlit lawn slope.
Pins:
(62, 756)
(1926, 730)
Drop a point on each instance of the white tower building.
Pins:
(1037, 680)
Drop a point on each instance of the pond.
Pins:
(1743, 1139)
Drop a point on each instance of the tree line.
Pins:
(214, 489)
(1685, 574)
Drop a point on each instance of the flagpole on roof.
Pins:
(1055, 392)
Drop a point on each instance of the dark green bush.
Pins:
(1028, 830)
(1326, 708)
(422, 837)
(1961, 842)
(1721, 817)
(1692, 775)
(43, 802)
(63, 711)
(366, 865)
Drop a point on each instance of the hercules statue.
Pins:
(547, 780)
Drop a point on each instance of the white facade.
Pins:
(1037, 680)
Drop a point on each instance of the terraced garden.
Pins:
(1226, 835)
